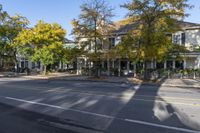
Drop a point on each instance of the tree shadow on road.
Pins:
(147, 112)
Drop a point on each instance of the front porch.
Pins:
(124, 67)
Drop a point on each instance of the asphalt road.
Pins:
(57, 106)
(15, 120)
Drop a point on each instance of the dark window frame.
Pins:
(112, 42)
(183, 38)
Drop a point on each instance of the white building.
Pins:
(188, 36)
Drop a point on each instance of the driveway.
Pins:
(106, 107)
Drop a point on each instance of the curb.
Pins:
(181, 86)
(90, 80)
(102, 81)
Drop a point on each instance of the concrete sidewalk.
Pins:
(185, 83)
(7, 74)
(73, 77)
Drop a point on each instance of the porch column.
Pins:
(135, 67)
(155, 64)
(20, 63)
(89, 66)
(184, 64)
(1, 62)
(165, 65)
(41, 67)
(174, 64)
(128, 66)
(15, 66)
(60, 65)
(108, 67)
(85, 62)
(29, 64)
(119, 68)
(143, 65)
(102, 64)
(78, 67)
(113, 63)
(152, 64)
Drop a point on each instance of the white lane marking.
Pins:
(162, 126)
(32, 102)
(58, 107)
(106, 116)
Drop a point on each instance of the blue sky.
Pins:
(63, 11)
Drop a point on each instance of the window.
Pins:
(112, 42)
(183, 38)
(38, 64)
(33, 65)
(22, 64)
(26, 64)
(176, 39)
(169, 64)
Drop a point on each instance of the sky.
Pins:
(63, 11)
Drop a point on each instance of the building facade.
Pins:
(188, 36)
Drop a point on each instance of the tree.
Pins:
(176, 51)
(68, 55)
(42, 43)
(10, 27)
(153, 21)
(92, 25)
(3, 17)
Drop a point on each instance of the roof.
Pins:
(124, 28)
(188, 25)
(70, 43)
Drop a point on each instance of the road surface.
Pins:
(96, 107)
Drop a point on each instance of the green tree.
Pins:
(176, 51)
(68, 55)
(93, 25)
(42, 43)
(3, 17)
(153, 20)
(10, 27)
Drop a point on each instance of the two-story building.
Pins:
(188, 36)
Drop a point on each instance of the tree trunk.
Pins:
(90, 66)
(45, 70)
(99, 67)
(97, 63)
(108, 67)
(145, 70)
(119, 68)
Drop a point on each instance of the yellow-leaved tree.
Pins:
(153, 23)
(42, 43)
